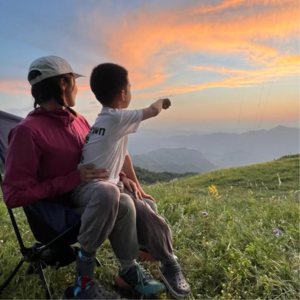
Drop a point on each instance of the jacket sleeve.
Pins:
(20, 186)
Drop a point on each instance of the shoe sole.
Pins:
(144, 256)
(172, 292)
(121, 283)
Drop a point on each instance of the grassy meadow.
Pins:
(236, 233)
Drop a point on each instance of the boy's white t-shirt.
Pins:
(106, 144)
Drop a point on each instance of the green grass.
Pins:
(232, 253)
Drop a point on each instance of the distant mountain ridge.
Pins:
(223, 150)
(180, 160)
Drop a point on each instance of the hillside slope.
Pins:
(236, 231)
(256, 176)
(237, 239)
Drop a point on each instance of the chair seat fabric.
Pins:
(49, 220)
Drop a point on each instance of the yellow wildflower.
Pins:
(214, 191)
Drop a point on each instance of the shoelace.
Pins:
(143, 276)
(138, 275)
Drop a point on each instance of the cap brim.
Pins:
(78, 75)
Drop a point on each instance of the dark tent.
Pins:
(7, 122)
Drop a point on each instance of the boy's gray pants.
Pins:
(110, 211)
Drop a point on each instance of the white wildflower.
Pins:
(279, 181)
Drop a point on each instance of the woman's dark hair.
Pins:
(48, 89)
(107, 80)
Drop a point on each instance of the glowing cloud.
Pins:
(149, 42)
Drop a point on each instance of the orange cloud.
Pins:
(154, 44)
(206, 8)
(286, 66)
(147, 42)
(281, 67)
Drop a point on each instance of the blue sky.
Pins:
(229, 64)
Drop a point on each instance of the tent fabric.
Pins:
(7, 122)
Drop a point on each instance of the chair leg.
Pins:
(12, 275)
(43, 280)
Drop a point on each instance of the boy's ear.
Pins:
(123, 95)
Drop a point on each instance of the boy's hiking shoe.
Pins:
(92, 291)
(174, 280)
(138, 279)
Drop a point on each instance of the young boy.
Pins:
(106, 147)
(106, 143)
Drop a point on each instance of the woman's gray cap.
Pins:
(50, 66)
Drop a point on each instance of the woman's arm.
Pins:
(21, 187)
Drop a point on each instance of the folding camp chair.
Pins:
(55, 241)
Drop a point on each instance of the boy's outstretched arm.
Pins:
(130, 173)
(155, 108)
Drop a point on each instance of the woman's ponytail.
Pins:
(49, 88)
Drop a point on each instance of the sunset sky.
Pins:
(231, 65)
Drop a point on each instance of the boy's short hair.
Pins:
(107, 80)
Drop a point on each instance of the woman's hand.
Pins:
(131, 186)
(144, 195)
(88, 173)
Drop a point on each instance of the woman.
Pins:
(44, 150)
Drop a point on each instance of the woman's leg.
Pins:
(144, 255)
(152, 230)
(151, 203)
(154, 233)
(125, 244)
